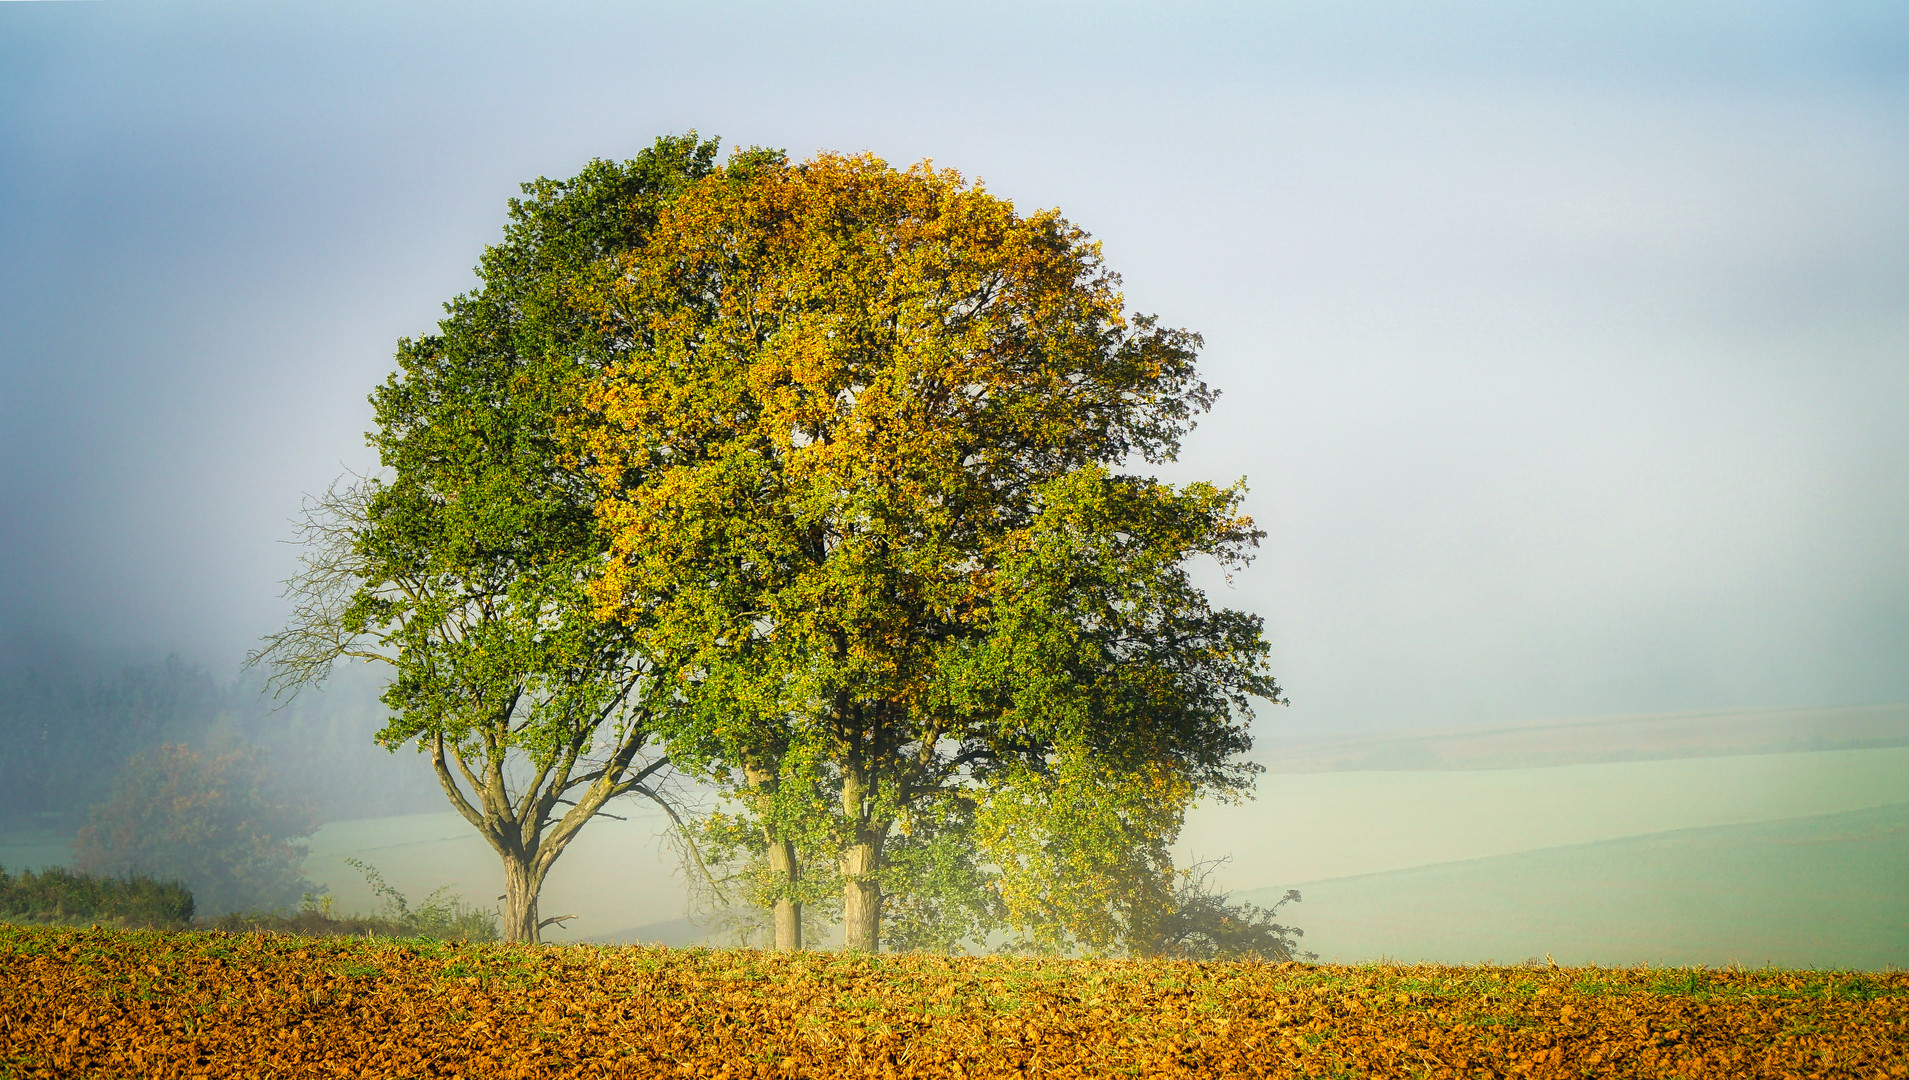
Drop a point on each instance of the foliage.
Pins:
(1200, 923)
(1085, 865)
(463, 566)
(441, 914)
(221, 823)
(938, 895)
(1083, 853)
(740, 896)
(79, 1003)
(938, 898)
(58, 895)
(856, 465)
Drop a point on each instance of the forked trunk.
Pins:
(788, 913)
(862, 894)
(522, 833)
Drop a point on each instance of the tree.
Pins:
(464, 566)
(220, 823)
(856, 458)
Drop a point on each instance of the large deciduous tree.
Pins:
(464, 564)
(859, 457)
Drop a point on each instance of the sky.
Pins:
(1565, 349)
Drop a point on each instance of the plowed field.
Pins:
(101, 1003)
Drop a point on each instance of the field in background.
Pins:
(1662, 860)
(1643, 737)
(75, 1003)
(1308, 830)
(1709, 855)
(1314, 826)
(1829, 892)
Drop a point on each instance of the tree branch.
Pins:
(449, 783)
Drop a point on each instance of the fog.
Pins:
(1564, 352)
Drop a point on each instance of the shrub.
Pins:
(59, 895)
(1200, 923)
(442, 915)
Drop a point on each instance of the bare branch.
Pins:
(322, 590)
(683, 833)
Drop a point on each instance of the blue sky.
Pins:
(1566, 351)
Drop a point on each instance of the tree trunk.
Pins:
(784, 871)
(521, 886)
(862, 894)
(788, 913)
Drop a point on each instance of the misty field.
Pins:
(1828, 891)
(1414, 865)
(1800, 859)
(150, 1004)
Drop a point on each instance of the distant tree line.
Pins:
(160, 773)
(71, 720)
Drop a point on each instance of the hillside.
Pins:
(1644, 737)
(1826, 891)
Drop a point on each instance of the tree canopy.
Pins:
(821, 476)
(859, 459)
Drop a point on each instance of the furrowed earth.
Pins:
(115, 1003)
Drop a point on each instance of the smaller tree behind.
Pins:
(223, 824)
